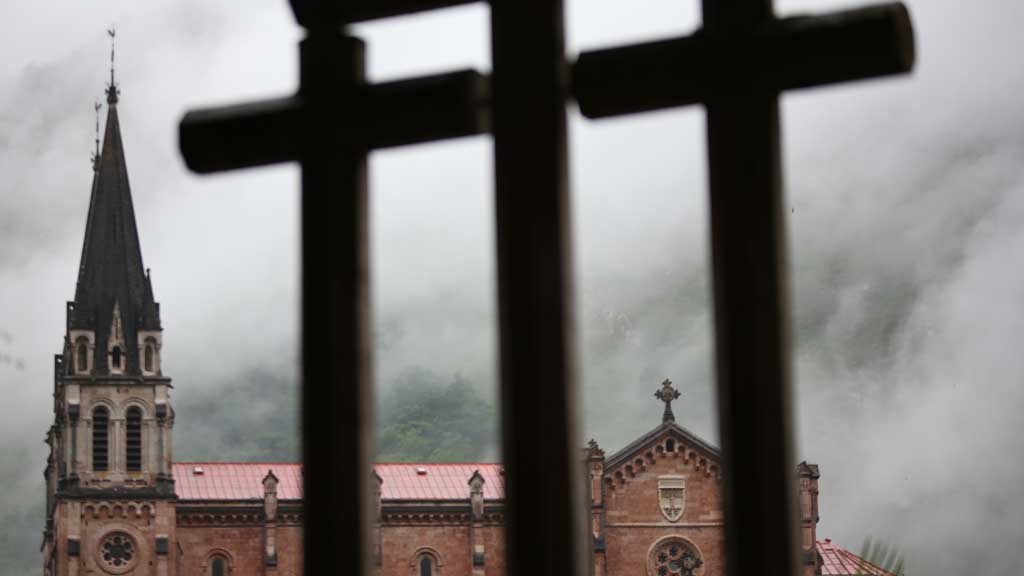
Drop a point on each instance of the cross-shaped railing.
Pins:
(736, 65)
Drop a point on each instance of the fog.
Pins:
(905, 200)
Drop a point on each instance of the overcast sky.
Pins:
(906, 213)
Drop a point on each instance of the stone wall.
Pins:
(635, 522)
(122, 536)
(243, 546)
(450, 544)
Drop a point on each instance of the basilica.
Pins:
(118, 503)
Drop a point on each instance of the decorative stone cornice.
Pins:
(75, 491)
(118, 509)
(235, 514)
(437, 518)
(666, 446)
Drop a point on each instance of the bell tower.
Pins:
(110, 492)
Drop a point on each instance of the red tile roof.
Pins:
(244, 481)
(441, 481)
(837, 561)
(235, 481)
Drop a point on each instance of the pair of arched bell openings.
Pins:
(150, 360)
(101, 439)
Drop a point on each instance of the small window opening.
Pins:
(218, 566)
(426, 565)
(82, 360)
(100, 431)
(133, 444)
(670, 445)
(149, 358)
(116, 357)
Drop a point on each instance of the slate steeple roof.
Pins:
(111, 270)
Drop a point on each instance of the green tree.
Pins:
(423, 418)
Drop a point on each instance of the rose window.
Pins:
(674, 557)
(118, 551)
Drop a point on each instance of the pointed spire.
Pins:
(112, 90)
(111, 270)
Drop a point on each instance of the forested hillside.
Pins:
(421, 417)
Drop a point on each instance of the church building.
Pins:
(118, 504)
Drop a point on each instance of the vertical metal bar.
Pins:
(751, 298)
(336, 405)
(544, 518)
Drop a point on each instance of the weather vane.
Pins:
(96, 154)
(112, 90)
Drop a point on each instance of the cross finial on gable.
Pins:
(667, 394)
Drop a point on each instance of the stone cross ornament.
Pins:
(667, 394)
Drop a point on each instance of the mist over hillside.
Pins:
(421, 417)
(905, 202)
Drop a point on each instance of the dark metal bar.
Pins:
(851, 45)
(428, 109)
(403, 112)
(336, 388)
(751, 329)
(309, 13)
(544, 514)
(641, 77)
(787, 54)
(241, 136)
(750, 297)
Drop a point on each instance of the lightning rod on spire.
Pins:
(96, 154)
(112, 91)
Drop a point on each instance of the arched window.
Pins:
(100, 433)
(218, 565)
(426, 565)
(148, 360)
(670, 445)
(115, 355)
(133, 439)
(81, 354)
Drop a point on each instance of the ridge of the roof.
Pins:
(283, 463)
(405, 482)
(838, 561)
(670, 426)
(111, 270)
(216, 463)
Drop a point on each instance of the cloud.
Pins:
(904, 214)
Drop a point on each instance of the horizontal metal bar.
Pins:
(241, 136)
(428, 109)
(641, 77)
(329, 13)
(790, 53)
(852, 45)
(402, 112)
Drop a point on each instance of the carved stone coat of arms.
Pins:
(672, 496)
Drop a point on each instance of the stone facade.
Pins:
(117, 504)
(639, 509)
(241, 545)
(659, 497)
